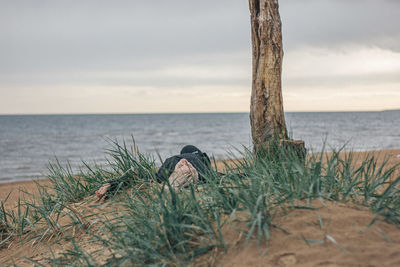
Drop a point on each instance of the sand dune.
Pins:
(332, 234)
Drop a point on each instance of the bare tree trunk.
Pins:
(266, 111)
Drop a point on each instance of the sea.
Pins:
(29, 142)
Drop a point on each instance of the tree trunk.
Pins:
(266, 111)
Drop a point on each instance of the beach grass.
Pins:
(149, 224)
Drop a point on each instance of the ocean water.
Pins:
(29, 142)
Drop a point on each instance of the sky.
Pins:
(141, 56)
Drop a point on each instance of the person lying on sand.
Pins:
(180, 170)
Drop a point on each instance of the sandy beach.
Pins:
(343, 239)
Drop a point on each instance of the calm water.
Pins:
(29, 142)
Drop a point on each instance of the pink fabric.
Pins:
(183, 175)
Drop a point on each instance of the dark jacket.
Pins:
(200, 161)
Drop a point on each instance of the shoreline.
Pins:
(309, 152)
(22, 180)
(358, 152)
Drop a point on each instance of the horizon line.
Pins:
(176, 113)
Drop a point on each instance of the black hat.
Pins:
(190, 149)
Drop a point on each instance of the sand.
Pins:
(16, 190)
(342, 239)
(335, 234)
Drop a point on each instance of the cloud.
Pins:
(339, 23)
(327, 79)
(313, 66)
(154, 55)
(101, 35)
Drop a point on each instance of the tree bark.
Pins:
(266, 110)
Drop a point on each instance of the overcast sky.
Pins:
(142, 56)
